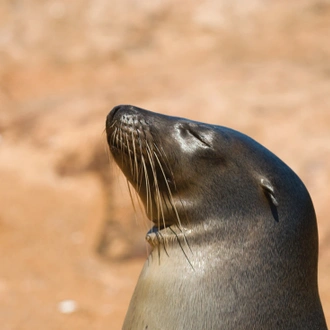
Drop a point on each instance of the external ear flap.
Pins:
(269, 190)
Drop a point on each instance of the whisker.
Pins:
(182, 249)
(130, 195)
(163, 240)
(171, 200)
(163, 155)
(113, 124)
(120, 136)
(159, 204)
(129, 153)
(147, 184)
(114, 137)
(136, 175)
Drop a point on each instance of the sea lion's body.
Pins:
(235, 242)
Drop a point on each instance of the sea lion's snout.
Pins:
(142, 159)
(121, 114)
(126, 130)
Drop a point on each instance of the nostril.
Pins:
(112, 113)
(116, 109)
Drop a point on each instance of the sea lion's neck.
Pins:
(235, 252)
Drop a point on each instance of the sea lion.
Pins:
(234, 241)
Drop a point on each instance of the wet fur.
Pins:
(235, 236)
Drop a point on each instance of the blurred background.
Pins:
(71, 246)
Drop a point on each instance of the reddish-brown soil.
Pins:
(260, 67)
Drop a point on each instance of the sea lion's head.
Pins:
(190, 174)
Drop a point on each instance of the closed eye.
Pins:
(198, 137)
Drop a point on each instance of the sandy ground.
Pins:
(67, 228)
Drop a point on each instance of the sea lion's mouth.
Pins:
(154, 229)
(152, 235)
(162, 235)
(156, 235)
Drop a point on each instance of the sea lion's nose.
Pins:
(121, 112)
(113, 112)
